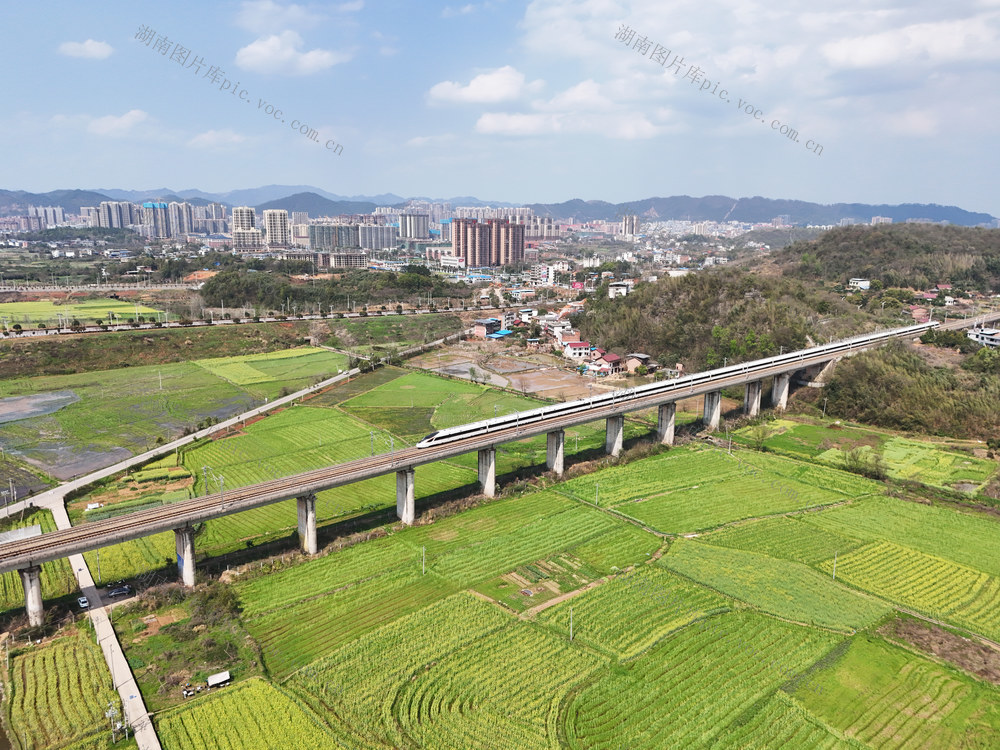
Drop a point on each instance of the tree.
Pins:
(759, 434)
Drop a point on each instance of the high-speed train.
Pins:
(665, 387)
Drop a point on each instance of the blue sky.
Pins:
(511, 100)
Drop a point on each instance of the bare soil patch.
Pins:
(972, 656)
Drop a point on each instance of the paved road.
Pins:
(136, 714)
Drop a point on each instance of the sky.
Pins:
(509, 100)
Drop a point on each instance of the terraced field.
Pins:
(252, 714)
(687, 689)
(694, 489)
(788, 589)
(627, 615)
(917, 460)
(58, 692)
(885, 697)
(937, 587)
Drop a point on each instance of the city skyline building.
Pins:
(277, 234)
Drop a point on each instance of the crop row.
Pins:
(59, 692)
(251, 714)
(787, 538)
(520, 673)
(688, 688)
(295, 636)
(781, 587)
(929, 584)
(629, 613)
(356, 685)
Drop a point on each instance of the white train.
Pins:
(667, 387)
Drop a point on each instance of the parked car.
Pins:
(120, 591)
(82, 601)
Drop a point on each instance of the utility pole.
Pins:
(571, 622)
(423, 560)
(835, 566)
(597, 493)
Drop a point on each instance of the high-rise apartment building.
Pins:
(50, 215)
(117, 214)
(300, 217)
(247, 238)
(327, 237)
(181, 218)
(415, 226)
(156, 218)
(244, 217)
(630, 225)
(277, 234)
(495, 242)
(374, 237)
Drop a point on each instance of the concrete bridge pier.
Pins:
(613, 435)
(31, 580)
(307, 523)
(555, 451)
(751, 398)
(488, 471)
(405, 503)
(779, 391)
(184, 544)
(665, 418)
(712, 410)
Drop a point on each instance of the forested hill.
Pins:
(722, 314)
(903, 255)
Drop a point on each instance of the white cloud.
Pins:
(112, 125)
(351, 7)
(427, 140)
(214, 139)
(504, 123)
(262, 16)
(501, 85)
(967, 39)
(282, 53)
(90, 49)
(585, 95)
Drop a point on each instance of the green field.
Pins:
(687, 689)
(112, 414)
(252, 714)
(57, 576)
(787, 589)
(740, 638)
(914, 460)
(695, 489)
(383, 335)
(885, 697)
(58, 692)
(30, 314)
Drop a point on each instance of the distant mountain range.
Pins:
(319, 202)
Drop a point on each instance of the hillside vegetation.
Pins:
(903, 255)
(720, 315)
(895, 387)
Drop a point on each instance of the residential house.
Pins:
(635, 360)
(578, 350)
(485, 326)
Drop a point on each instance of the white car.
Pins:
(82, 601)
